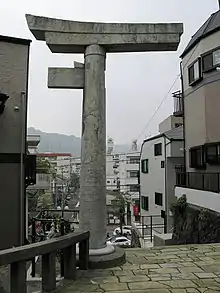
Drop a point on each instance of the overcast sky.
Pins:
(136, 83)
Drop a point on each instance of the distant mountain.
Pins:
(61, 143)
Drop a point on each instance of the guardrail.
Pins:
(150, 225)
(17, 258)
(199, 180)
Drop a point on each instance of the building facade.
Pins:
(201, 96)
(160, 156)
(60, 163)
(122, 171)
(14, 64)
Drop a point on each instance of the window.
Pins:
(216, 57)
(134, 188)
(158, 199)
(158, 149)
(133, 174)
(162, 164)
(108, 181)
(197, 157)
(133, 160)
(144, 166)
(194, 71)
(178, 125)
(213, 154)
(211, 60)
(145, 203)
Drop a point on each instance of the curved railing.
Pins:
(18, 256)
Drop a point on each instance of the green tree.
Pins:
(74, 182)
(43, 166)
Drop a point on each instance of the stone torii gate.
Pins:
(94, 40)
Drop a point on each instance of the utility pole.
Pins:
(62, 202)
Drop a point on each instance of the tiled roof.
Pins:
(210, 26)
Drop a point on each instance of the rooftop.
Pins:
(209, 27)
(173, 134)
(13, 40)
(54, 155)
(170, 269)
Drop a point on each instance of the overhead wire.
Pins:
(166, 95)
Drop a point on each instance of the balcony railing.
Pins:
(201, 181)
(178, 104)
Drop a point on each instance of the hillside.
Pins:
(61, 143)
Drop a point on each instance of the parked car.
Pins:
(126, 230)
(119, 241)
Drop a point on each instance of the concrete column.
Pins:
(93, 149)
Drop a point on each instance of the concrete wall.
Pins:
(205, 199)
(169, 123)
(14, 55)
(202, 103)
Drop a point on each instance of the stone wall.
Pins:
(193, 224)
(135, 238)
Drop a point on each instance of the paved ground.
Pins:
(173, 269)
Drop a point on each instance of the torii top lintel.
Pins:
(65, 36)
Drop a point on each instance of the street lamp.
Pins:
(3, 99)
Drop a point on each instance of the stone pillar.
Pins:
(93, 149)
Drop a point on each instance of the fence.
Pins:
(17, 258)
(42, 229)
(201, 181)
(151, 225)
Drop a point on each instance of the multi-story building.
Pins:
(201, 95)
(60, 162)
(75, 165)
(122, 172)
(160, 156)
(14, 75)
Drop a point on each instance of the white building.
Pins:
(60, 162)
(160, 156)
(75, 165)
(122, 173)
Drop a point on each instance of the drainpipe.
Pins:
(166, 193)
(23, 215)
(183, 99)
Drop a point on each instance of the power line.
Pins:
(158, 108)
(167, 94)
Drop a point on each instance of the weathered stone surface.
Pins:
(205, 275)
(114, 286)
(179, 284)
(130, 279)
(191, 270)
(64, 36)
(154, 278)
(146, 285)
(149, 266)
(123, 273)
(66, 78)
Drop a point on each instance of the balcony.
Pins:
(201, 189)
(178, 104)
(200, 181)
